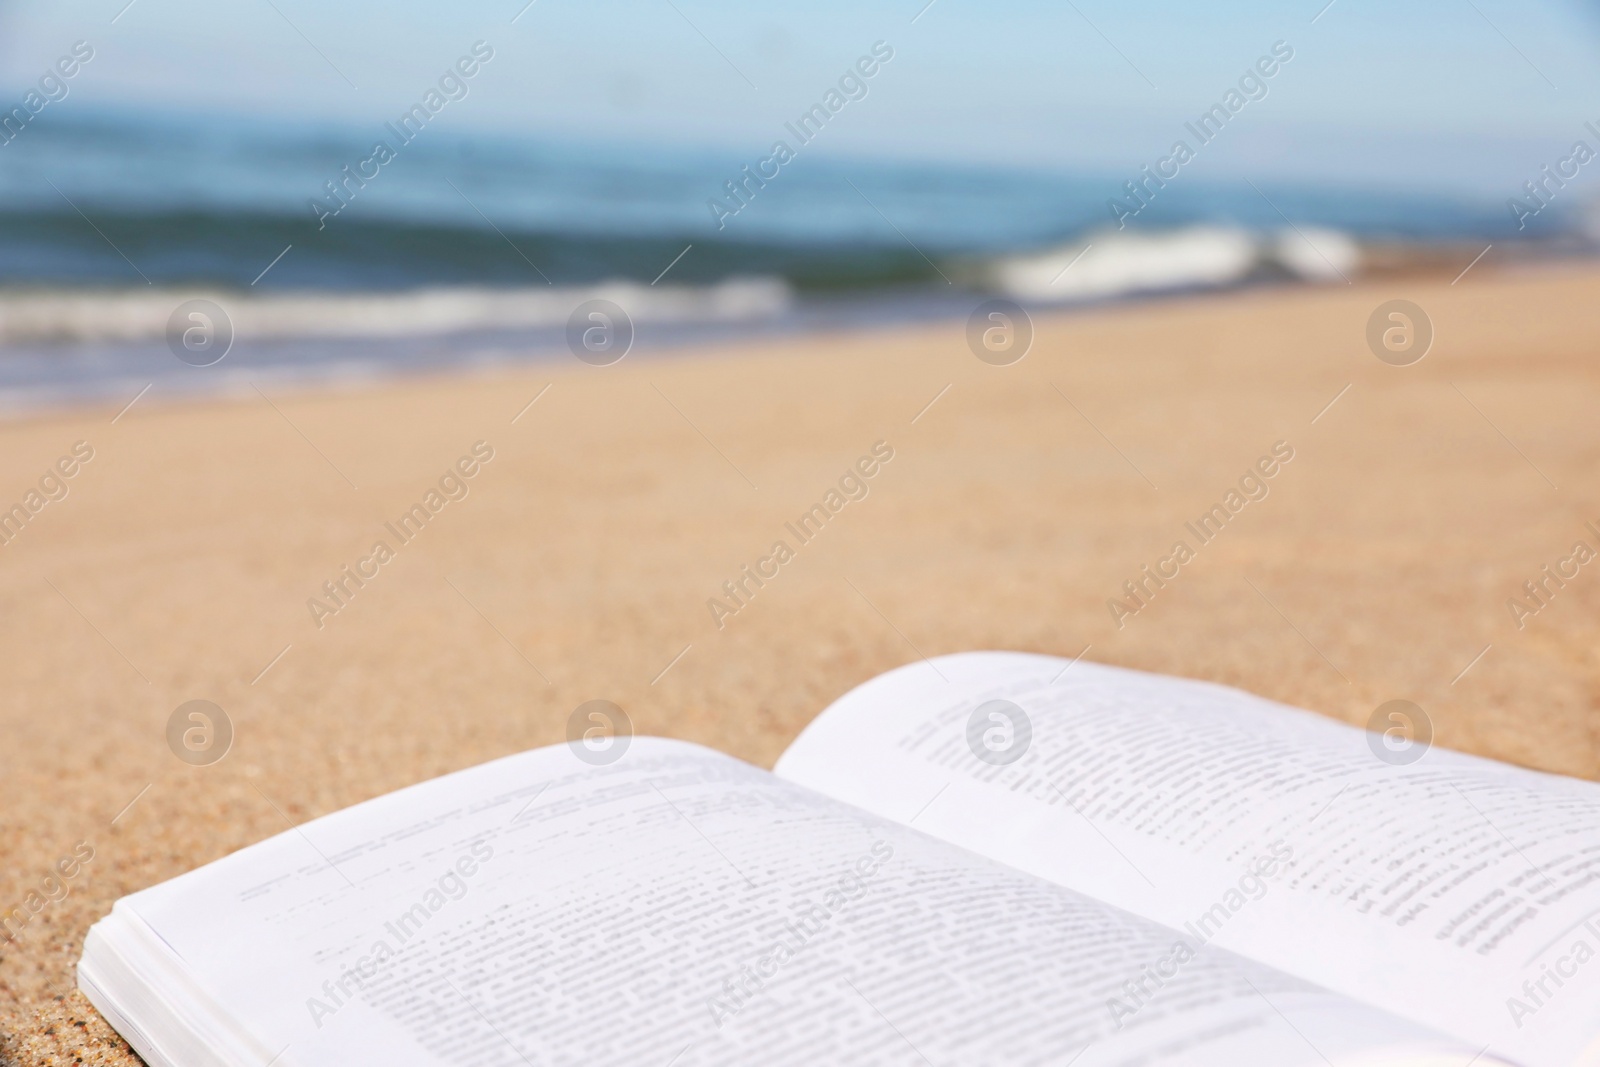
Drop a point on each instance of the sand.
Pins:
(580, 563)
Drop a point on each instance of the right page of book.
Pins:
(1453, 890)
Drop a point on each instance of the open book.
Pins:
(1133, 870)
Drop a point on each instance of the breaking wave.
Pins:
(1107, 265)
(88, 315)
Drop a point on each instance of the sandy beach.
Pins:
(186, 555)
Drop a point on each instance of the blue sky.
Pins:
(1463, 94)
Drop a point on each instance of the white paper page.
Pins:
(1457, 891)
(680, 907)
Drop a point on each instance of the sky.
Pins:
(1470, 95)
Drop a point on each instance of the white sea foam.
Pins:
(141, 314)
(1117, 264)
(1316, 254)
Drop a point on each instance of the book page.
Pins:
(1457, 891)
(678, 907)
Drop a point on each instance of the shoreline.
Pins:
(78, 375)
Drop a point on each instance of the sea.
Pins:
(477, 249)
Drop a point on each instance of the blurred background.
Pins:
(392, 211)
(198, 149)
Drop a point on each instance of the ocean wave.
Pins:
(55, 248)
(1315, 254)
(1106, 265)
(80, 315)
